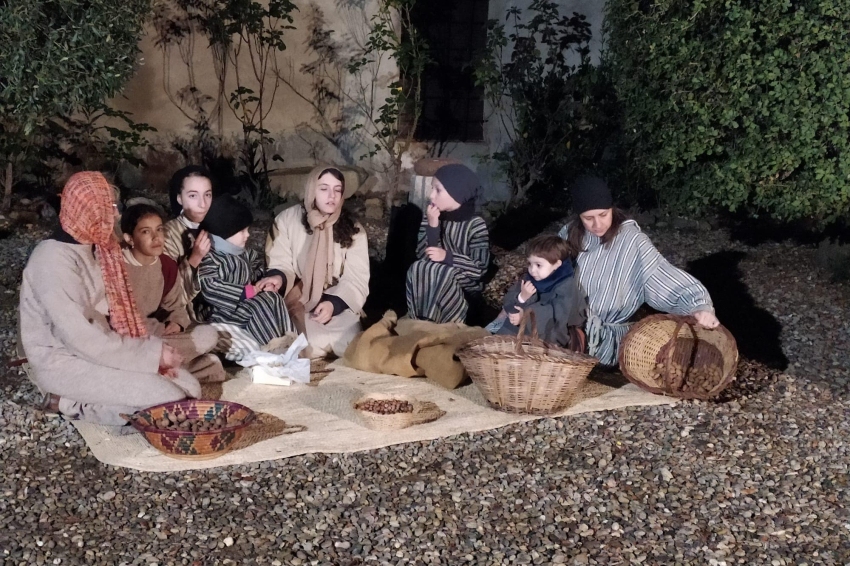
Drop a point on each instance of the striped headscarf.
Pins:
(87, 216)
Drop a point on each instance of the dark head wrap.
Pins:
(464, 186)
(227, 216)
(591, 193)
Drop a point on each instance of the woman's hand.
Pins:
(515, 318)
(435, 254)
(527, 290)
(706, 319)
(171, 328)
(323, 313)
(200, 248)
(433, 214)
(273, 284)
(169, 360)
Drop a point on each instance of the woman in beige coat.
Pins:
(322, 252)
(86, 343)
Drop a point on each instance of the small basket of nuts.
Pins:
(381, 411)
(194, 428)
(673, 355)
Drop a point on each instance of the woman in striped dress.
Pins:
(619, 270)
(234, 281)
(454, 249)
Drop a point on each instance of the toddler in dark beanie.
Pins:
(233, 277)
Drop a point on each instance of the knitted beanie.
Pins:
(226, 216)
(591, 193)
(460, 182)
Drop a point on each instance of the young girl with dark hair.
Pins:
(190, 191)
(322, 255)
(159, 296)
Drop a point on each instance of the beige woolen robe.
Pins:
(287, 249)
(195, 345)
(72, 350)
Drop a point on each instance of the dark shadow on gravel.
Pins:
(755, 329)
(751, 378)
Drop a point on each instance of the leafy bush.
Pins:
(735, 103)
(537, 76)
(59, 61)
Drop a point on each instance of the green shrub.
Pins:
(735, 103)
(59, 61)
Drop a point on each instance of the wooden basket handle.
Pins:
(526, 314)
(668, 349)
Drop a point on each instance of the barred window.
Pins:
(456, 32)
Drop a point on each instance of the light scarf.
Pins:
(87, 215)
(318, 273)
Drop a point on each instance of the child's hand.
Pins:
(433, 214)
(435, 254)
(169, 359)
(200, 248)
(527, 290)
(273, 283)
(323, 313)
(514, 318)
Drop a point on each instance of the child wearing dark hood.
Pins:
(453, 250)
(233, 278)
(549, 290)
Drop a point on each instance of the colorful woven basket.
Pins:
(188, 444)
(525, 375)
(672, 355)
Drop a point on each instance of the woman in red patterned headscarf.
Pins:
(84, 338)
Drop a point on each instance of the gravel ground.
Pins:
(759, 479)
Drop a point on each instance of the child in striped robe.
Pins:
(234, 280)
(454, 249)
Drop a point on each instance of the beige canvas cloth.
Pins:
(333, 426)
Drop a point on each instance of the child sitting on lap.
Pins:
(550, 291)
(234, 280)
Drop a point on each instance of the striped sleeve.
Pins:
(422, 241)
(668, 288)
(216, 291)
(474, 263)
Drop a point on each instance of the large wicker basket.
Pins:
(525, 375)
(672, 355)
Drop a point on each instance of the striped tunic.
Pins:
(620, 277)
(223, 278)
(180, 235)
(435, 291)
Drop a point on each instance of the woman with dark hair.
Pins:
(322, 253)
(619, 270)
(190, 192)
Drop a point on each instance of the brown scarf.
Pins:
(318, 273)
(87, 216)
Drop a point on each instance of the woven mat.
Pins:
(331, 425)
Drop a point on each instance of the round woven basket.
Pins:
(423, 412)
(193, 445)
(672, 355)
(525, 375)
